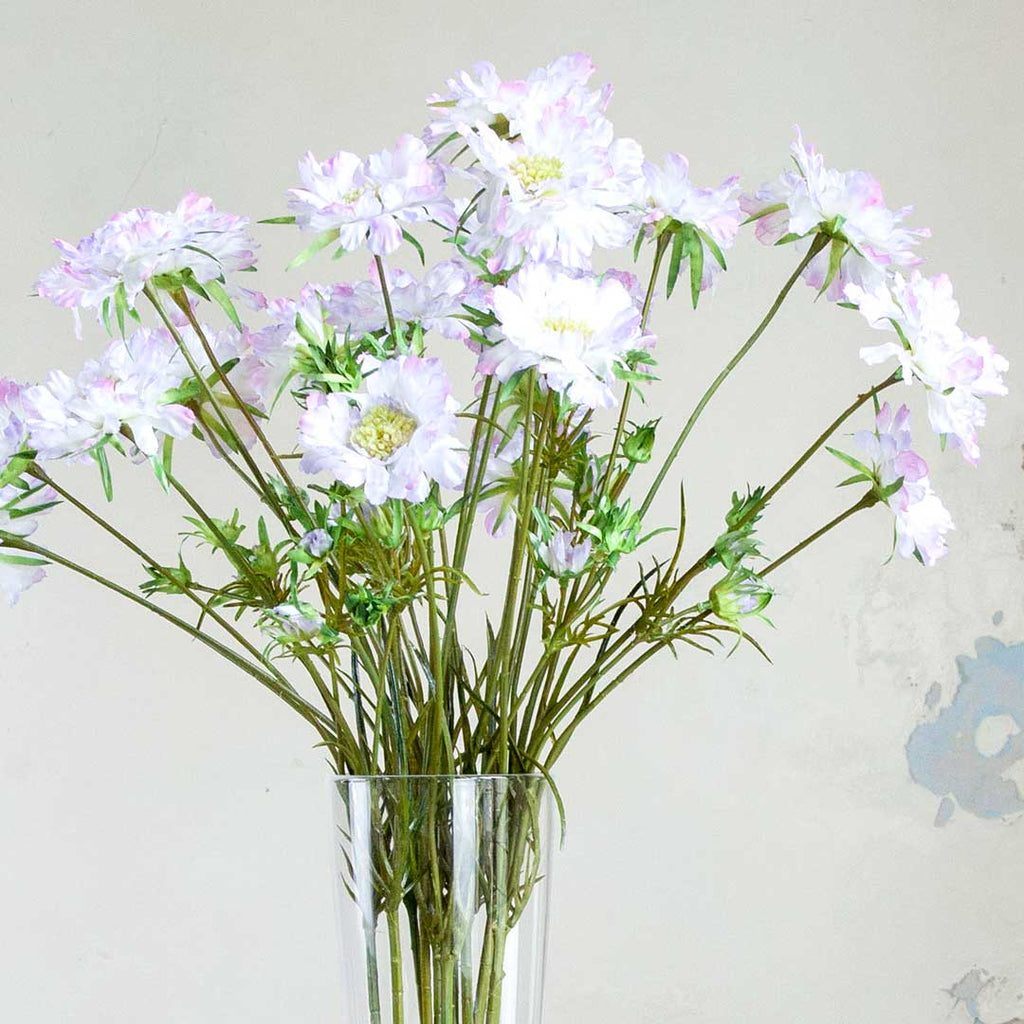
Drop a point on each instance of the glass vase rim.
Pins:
(435, 776)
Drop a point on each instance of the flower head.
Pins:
(391, 440)
(576, 331)
(12, 422)
(124, 392)
(125, 254)
(921, 519)
(18, 510)
(668, 192)
(367, 201)
(847, 205)
(562, 555)
(959, 371)
(481, 95)
(554, 191)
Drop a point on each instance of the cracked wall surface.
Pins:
(747, 842)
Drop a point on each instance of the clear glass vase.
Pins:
(442, 897)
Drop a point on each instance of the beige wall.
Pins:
(746, 841)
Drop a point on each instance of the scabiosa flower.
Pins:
(847, 205)
(668, 192)
(563, 555)
(921, 519)
(134, 247)
(366, 201)
(480, 95)
(576, 331)
(959, 371)
(553, 191)
(12, 422)
(436, 301)
(123, 391)
(18, 509)
(393, 439)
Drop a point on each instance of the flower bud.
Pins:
(639, 445)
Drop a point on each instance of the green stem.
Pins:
(867, 501)
(817, 244)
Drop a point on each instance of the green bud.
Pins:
(740, 594)
(638, 445)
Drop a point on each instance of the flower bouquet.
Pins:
(359, 484)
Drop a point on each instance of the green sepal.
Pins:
(216, 292)
(320, 242)
(767, 211)
(415, 243)
(850, 461)
(277, 220)
(121, 305)
(696, 253)
(674, 263)
(714, 248)
(99, 454)
(639, 242)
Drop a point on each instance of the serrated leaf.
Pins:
(320, 242)
(220, 296)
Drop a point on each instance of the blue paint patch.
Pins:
(944, 755)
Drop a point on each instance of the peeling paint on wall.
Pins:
(983, 998)
(969, 752)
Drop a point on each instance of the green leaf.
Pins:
(99, 453)
(767, 211)
(21, 560)
(850, 461)
(639, 242)
(121, 303)
(696, 266)
(106, 316)
(320, 242)
(674, 262)
(221, 297)
(415, 243)
(714, 248)
(277, 220)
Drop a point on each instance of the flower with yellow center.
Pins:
(533, 171)
(382, 431)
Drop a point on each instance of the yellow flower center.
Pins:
(351, 197)
(532, 170)
(563, 325)
(382, 431)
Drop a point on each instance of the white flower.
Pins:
(299, 621)
(436, 301)
(123, 391)
(480, 95)
(391, 440)
(848, 203)
(501, 484)
(958, 370)
(18, 569)
(562, 555)
(668, 192)
(574, 330)
(921, 519)
(134, 247)
(12, 422)
(368, 200)
(554, 191)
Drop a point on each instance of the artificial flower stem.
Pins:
(661, 247)
(819, 242)
(287, 694)
(181, 300)
(386, 294)
(867, 501)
